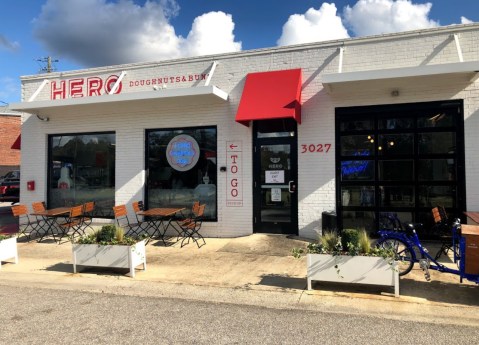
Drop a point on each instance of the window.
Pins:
(81, 168)
(181, 165)
(399, 158)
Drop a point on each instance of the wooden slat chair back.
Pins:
(192, 226)
(26, 225)
(121, 217)
(74, 222)
(38, 206)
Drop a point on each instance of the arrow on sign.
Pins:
(232, 146)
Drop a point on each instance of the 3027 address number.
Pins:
(322, 148)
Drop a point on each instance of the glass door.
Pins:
(275, 182)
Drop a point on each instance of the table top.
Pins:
(161, 211)
(473, 215)
(53, 212)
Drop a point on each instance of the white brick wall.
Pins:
(316, 170)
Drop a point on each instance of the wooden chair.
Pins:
(191, 227)
(25, 221)
(442, 228)
(141, 226)
(74, 222)
(121, 218)
(88, 209)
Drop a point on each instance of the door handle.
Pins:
(292, 187)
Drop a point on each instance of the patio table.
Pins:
(49, 217)
(473, 215)
(160, 218)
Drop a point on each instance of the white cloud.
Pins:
(103, 32)
(464, 20)
(10, 90)
(315, 25)
(8, 45)
(371, 17)
(211, 33)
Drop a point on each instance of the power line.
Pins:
(48, 68)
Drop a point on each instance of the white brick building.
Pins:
(385, 124)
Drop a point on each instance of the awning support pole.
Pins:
(458, 48)
(40, 88)
(117, 83)
(341, 53)
(210, 74)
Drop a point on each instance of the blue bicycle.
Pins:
(404, 241)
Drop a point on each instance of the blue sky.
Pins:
(90, 33)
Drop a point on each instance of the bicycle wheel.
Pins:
(404, 255)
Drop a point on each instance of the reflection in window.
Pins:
(81, 169)
(441, 142)
(396, 170)
(357, 170)
(437, 170)
(181, 165)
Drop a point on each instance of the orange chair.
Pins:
(121, 217)
(74, 222)
(192, 226)
(142, 226)
(25, 222)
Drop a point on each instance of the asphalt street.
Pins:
(40, 316)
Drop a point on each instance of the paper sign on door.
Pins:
(276, 194)
(274, 176)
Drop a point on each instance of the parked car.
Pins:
(10, 187)
(11, 175)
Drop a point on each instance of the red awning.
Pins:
(271, 95)
(17, 144)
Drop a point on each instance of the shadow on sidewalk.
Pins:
(283, 281)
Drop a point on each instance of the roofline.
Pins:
(297, 47)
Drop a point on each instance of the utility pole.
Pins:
(49, 66)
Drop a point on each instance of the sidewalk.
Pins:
(256, 270)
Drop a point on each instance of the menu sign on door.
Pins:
(234, 175)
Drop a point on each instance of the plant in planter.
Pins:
(349, 258)
(109, 247)
(8, 248)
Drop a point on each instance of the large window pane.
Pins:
(396, 170)
(182, 168)
(432, 196)
(396, 144)
(357, 196)
(356, 125)
(397, 196)
(442, 142)
(357, 170)
(436, 170)
(436, 119)
(395, 123)
(359, 220)
(357, 145)
(82, 169)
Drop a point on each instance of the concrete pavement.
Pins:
(256, 269)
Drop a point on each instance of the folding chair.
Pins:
(142, 226)
(192, 226)
(443, 229)
(74, 222)
(88, 209)
(121, 217)
(25, 222)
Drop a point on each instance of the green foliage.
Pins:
(4, 237)
(351, 242)
(364, 242)
(107, 235)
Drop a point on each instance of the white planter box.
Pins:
(8, 250)
(352, 269)
(114, 256)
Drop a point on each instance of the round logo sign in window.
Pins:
(182, 152)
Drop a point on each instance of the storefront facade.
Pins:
(268, 139)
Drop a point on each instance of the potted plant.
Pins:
(349, 258)
(109, 247)
(8, 248)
